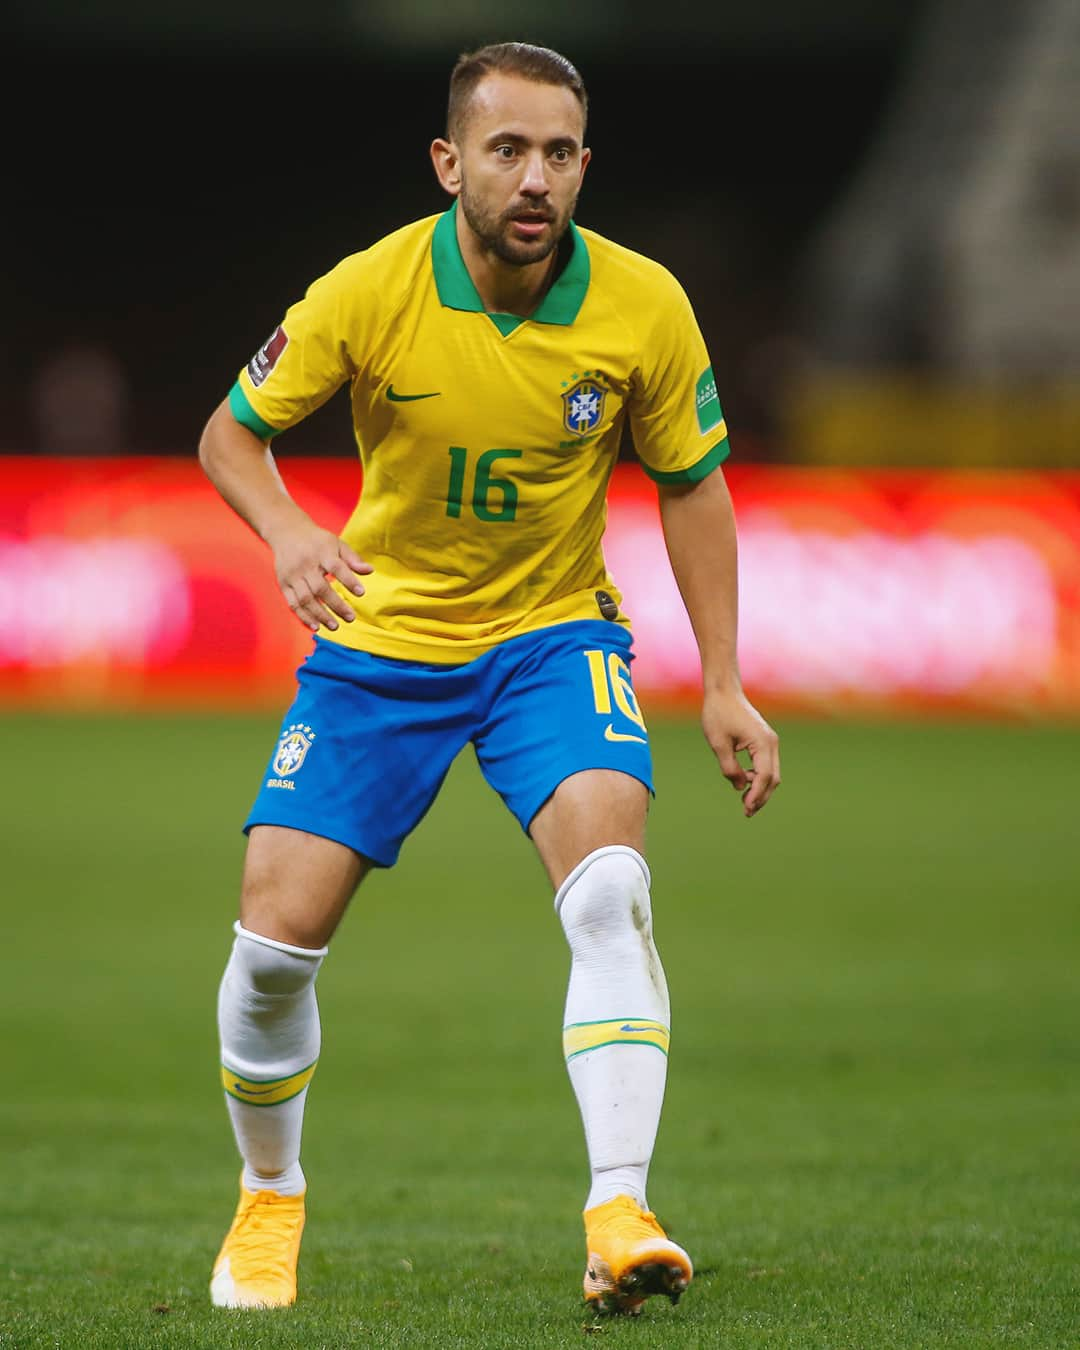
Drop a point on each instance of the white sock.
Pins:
(268, 1023)
(617, 1021)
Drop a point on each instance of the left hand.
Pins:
(731, 725)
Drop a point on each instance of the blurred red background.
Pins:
(129, 582)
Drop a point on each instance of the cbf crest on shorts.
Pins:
(292, 749)
(583, 404)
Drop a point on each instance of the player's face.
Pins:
(521, 162)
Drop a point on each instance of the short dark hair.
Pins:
(539, 64)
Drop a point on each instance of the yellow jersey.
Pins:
(487, 440)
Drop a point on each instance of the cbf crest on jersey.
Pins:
(583, 402)
(292, 749)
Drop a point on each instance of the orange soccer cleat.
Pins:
(630, 1257)
(256, 1267)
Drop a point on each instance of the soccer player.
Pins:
(492, 354)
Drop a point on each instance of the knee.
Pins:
(271, 969)
(607, 892)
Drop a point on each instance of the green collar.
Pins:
(457, 291)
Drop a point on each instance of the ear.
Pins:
(447, 163)
(586, 155)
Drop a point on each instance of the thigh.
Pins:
(587, 811)
(296, 885)
(362, 751)
(563, 706)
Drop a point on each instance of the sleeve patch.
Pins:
(266, 358)
(707, 402)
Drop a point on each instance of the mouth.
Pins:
(530, 224)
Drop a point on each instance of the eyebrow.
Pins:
(516, 138)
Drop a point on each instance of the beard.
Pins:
(493, 228)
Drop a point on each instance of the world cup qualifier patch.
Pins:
(707, 402)
(266, 358)
(583, 402)
(291, 752)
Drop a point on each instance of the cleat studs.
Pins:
(617, 1305)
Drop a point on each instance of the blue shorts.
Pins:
(369, 740)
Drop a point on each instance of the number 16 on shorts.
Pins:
(613, 694)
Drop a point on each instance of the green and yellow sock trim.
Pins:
(268, 1091)
(579, 1037)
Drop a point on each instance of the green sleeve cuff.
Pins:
(246, 415)
(712, 459)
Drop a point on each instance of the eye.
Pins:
(561, 156)
(504, 152)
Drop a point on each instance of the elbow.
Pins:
(210, 442)
(226, 444)
(207, 455)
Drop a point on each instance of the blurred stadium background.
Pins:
(875, 209)
(876, 212)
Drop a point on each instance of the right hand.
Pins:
(306, 558)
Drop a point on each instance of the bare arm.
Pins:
(699, 531)
(242, 469)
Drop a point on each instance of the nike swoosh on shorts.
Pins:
(610, 734)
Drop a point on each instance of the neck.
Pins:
(504, 288)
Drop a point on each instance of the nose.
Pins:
(534, 179)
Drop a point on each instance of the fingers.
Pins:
(323, 602)
(355, 563)
(311, 595)
(316, 606)
(733, 728)
(348, 579)
(730, 767)
(765, 775)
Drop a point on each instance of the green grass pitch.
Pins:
(872, 1130)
